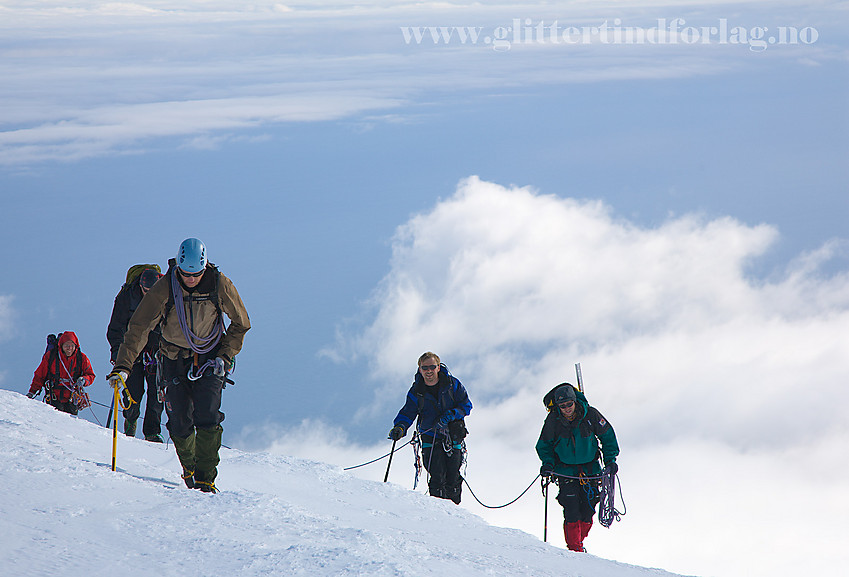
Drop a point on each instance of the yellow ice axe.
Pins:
(115, 405)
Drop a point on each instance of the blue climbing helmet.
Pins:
(191, 258)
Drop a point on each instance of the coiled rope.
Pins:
(200, 345)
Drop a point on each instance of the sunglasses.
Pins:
(191, 274)
(566, 405)
(428, 367)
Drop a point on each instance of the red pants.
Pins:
(575, 533)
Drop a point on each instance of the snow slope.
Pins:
(63, 511)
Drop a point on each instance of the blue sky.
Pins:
(359, 191)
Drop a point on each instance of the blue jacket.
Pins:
(450, 397)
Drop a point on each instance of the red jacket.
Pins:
(62, 370)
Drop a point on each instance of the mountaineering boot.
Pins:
(189, 479)
(154, 438)
(185, 447)
(208, 442)
(204, 483)
(206, 487)
(573, 533)
(130, 427)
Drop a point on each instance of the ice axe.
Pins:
(579, 376)
(115, 405)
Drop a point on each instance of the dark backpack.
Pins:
(135, 271)
(548, 399)
(52, 342)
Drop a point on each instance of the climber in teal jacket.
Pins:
(568, 447)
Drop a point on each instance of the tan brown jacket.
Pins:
(200, 318)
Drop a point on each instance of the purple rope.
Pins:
(206, 344)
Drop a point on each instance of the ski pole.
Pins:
(389, 464)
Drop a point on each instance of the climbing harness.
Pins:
(194, 375)
(607, 512)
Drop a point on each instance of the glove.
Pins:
(81, 382)
(397, 432)
(117, 378)
(445, 418)
(611, 469)
(546, 470)
(220, 369)
(32, 394)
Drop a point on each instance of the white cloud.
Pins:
(727, 392)
(6, 316)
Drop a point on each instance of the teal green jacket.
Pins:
(573, 447)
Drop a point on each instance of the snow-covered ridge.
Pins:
(63, 511)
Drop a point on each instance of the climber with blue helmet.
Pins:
(195, 355)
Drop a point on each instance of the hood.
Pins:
(68, 336)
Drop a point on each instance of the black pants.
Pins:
(578, 501)
(194, 418)
(153, 408)
(444, 469)
(191, 404)
(65, 407)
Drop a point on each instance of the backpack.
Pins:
(52, 342)
(548, 399)
(135, 271)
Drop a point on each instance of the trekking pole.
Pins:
(389, 464)
(545, 516)
(109, 416)
(580, 377)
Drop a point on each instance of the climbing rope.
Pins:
(607, 512)
(379, 458)
(505, 504)
(200, 345)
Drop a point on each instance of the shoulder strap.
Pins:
(79, 367)
(418, 389)
(52, 365)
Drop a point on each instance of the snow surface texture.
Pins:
(63, 511)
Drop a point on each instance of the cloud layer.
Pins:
(88, 78)
(727, 391)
